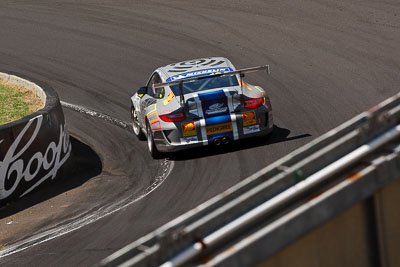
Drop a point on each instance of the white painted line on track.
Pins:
(81, 221)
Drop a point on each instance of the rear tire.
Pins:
(150, 143)
(136, 126)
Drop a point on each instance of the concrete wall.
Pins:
(33, 148)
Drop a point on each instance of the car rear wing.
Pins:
(241, 73)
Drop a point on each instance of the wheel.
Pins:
(150, 143)
(135, 125)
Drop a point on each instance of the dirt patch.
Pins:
(16, 102)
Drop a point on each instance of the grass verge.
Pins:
(16, 102)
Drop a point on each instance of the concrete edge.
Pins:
(34, 88)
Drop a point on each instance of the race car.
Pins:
(197, 103)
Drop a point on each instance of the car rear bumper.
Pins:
(174, 140)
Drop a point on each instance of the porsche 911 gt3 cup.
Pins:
(199, 102)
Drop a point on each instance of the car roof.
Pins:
(181, 69)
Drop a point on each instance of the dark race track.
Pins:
(330, 60)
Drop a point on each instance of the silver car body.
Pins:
(207, 113)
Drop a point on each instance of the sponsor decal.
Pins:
(189, 140)
(251, 129)
(219, 128)
(198, 73)
(155, 126)
(214, 102)
(249, 118)
(189, 129)
(13, 169)
(216, 108)
(169, 98)
(154, 120)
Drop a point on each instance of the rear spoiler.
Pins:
(241, 73)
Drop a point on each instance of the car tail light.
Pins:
(172, 117)
(254, 103)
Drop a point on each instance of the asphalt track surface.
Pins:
(330, 60)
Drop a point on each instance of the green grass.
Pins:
(13, 104)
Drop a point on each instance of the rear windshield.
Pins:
(205, 84)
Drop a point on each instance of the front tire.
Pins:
(136, 126)
(150, 143)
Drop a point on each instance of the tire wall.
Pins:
(33, 148)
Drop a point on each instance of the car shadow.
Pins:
(82, 165)
(278, 135)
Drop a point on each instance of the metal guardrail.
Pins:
(320, 179)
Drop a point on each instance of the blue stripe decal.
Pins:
(215, 111)
(218, 119)
(214, 103)
(212, 95)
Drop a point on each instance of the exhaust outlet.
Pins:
(225, 140)
(217, 142)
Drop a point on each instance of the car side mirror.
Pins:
(242, 75)
(142, 90)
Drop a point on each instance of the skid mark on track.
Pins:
(165, 168)
(95, 114)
